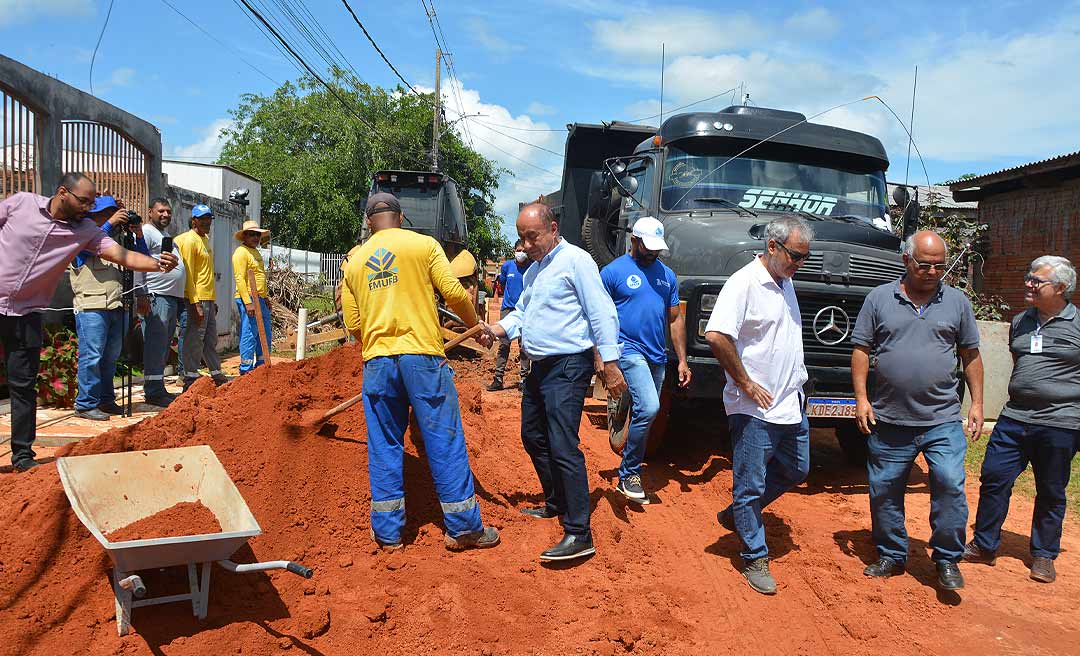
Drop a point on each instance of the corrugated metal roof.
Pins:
(1003, 174)
(939, 195)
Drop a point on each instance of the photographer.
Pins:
(99, 312)
(160, 300)
(39, 236)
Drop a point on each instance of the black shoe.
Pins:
(631, 488)
(25, 465)
(92, 413)
(949, 576)
(188, 382)
(726, 518)
(884, 568)
(759, 577)
(571, 547)
(974, 554)
(495, 385)
(161, 401)
(1042, 570)
(539, 512)
(221, 380)
(111, 408)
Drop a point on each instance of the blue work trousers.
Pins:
(391, 385)
(767, 460)
(643, 380)
(893, 450)
(101, 336)
(550, 416)
(1014, 444)
(251, 351)
(158, 329)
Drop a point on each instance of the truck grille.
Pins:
(817, 353)
(859, 268)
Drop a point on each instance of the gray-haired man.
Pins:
(1041, 422)
(755, 331)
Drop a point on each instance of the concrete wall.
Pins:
(230, 180)
(997, 368)
(215, 181)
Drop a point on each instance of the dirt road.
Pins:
(663, 580)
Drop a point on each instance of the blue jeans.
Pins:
(158, 328)
(893, 450)
(643, 380)
(425, 382)
(766, 461)
(251, 352)
(101, 336)
(550, 417)
(1014, 444)
(181, 328)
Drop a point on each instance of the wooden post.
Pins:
(254, 292)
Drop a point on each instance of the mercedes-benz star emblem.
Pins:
(831, 325)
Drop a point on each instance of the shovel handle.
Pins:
(338, 409)
(475, 330)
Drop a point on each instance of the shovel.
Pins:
(315, 418)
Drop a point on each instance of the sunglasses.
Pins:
(795, 256)
(926, 268)
(1035, 281)
(252, 233)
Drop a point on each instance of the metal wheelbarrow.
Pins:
(112, 490)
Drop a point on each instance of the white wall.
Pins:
(232, 180)
(198, 178)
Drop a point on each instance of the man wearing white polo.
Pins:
(755, 331)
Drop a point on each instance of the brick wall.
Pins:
(1025, 224)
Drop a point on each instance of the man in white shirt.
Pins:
(755, 331)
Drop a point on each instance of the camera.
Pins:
(132, 218)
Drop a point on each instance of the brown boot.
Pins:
(1042, 570)
(482, 539)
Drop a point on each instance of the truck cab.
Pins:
(716, 179)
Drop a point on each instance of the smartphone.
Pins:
(166, 244)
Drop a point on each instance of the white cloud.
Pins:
(122, 77)
(23, 11)
(482, 35)
(682, 31)
(209, 146)
(817, 22)
(540, 109)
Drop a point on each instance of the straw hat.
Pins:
(254, 227)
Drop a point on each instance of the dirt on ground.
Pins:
(663, 581)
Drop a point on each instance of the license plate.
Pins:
(836, 408)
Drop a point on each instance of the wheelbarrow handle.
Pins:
(297, 568)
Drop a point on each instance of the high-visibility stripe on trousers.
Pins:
(426, 383)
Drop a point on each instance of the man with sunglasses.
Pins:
(39, 237)
(916, 327)
(755, 331)
(1040, 423)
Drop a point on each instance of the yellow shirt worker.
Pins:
(200, 335)
(388, 303)
(247, 258)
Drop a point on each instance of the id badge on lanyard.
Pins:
(1036, 343)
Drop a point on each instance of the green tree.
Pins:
(315, 159)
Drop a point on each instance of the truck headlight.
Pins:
(708, 302)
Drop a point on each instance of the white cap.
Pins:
(651, 233)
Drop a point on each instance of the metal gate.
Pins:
(115, 164)
(19, 145)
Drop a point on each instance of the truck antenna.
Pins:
(911, 127)
(662, 47)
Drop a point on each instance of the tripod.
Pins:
(127, 300)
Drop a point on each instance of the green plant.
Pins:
(58, 370)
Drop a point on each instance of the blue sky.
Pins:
(997, 79)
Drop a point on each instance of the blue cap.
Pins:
(201, 210)
(102, 203)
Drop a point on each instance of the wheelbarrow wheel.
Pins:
(618, 413)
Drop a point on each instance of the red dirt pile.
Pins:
(182, 519)
(663, 580)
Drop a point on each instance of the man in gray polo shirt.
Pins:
(915, 327)
(1041, 422)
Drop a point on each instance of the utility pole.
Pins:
(438, 111)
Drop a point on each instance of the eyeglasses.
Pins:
(795, 256)
(85, 202)
(1036, 282)
(927, 267)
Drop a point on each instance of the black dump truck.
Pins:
(716, 180)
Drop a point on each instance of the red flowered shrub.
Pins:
(56, 382)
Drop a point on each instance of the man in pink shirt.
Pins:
(39, 237)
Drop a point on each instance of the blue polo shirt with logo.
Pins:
(642, 296)
(512, 277)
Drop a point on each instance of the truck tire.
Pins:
(853, 443)
(598, 237)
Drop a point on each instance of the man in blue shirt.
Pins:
(646, 296)
(563, 313)
(510, 281)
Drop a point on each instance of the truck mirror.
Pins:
(910, 220)
(480, 207)
(628, 186)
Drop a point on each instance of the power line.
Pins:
(377, 48)
(93, 57)
(219, 42)
(523, 161)
(262, 30)
(520, 141)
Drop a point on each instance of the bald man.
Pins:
(563, 312)
(916, 327)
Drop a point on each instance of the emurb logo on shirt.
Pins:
(633, 281)
(385, 273)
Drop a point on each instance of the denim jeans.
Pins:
(767, 460)
(550, 416)
(892, 452)
(158, 328)
(181, 328)
(1014, 444)
(391, 385)
(21, 339)
(251, 351)
(643, 381)
(101, 336)
(200, 343)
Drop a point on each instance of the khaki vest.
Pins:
(97, 285)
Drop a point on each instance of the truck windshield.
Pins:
(695, 180)
(420, 205)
